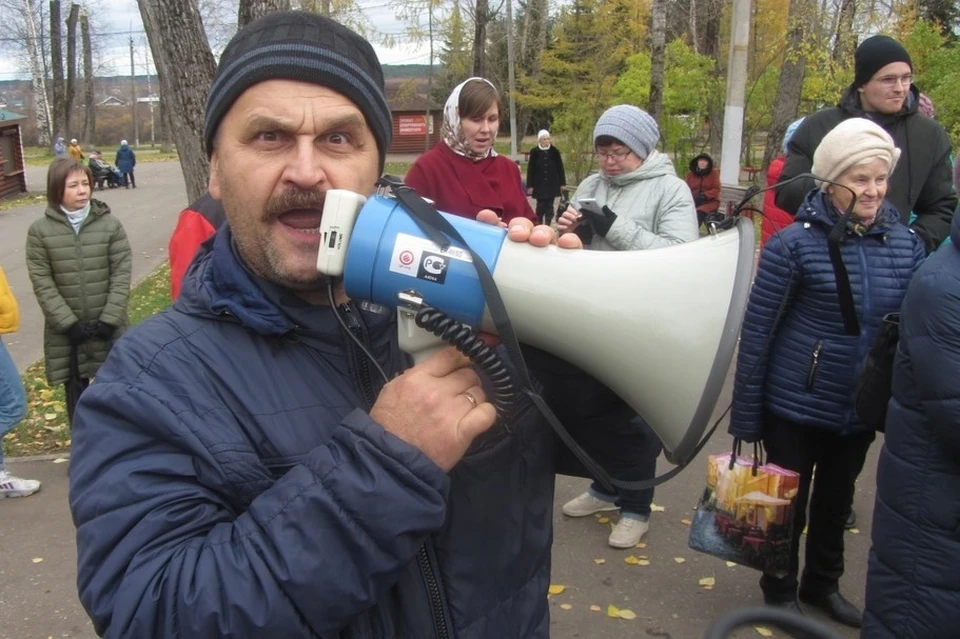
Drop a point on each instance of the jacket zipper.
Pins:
(814, 364)
(361, 373)
(433, 592)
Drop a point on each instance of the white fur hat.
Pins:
(852, 142)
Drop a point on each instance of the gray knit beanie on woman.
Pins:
(632, 126)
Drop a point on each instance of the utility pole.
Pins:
(133, 97)
(511, 82)
(736, 91)
(426, 138)
(146, 65)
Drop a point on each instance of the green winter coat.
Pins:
(78, 277)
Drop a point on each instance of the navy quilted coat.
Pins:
(226, 481)
(913, 577)
(802, 367)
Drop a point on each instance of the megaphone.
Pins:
(658, 327)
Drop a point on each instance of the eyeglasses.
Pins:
(613, 155)
(891, 81)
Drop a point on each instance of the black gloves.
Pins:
(82, 331)
(600, 219)
(78, 333)
(102, 330)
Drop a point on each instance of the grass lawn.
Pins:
(42, 156)
(45, 428)
(24, 199)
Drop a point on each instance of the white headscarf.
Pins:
(451, 130)
(543, 134)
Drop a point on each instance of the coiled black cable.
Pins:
(465, 340)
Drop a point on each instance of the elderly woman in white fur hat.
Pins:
(802, 347)
(545, 176)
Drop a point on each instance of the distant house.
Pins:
(413, 130)
(12, 178)
(113, 101)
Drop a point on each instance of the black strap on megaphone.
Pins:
(439, 230)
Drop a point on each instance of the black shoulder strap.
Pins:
(847, 310)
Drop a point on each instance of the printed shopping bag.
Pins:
(746, 513)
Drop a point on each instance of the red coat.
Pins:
(197, 222)
(774, 218)
(709, 186)
(461, 186)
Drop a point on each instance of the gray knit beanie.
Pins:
(852, 142)
(632, 126)
(296, 45)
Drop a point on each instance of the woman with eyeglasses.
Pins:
(464, 175)
(802, 344)
(635, 202)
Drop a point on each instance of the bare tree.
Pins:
(481, 17)
(71, 64)
(845, 40)
(658, 37)
(250, 10)
(787, 101)
(185, 68)
(56, 60)
(89, 112)
(39, 78)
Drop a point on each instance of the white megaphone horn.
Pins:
(658, 327)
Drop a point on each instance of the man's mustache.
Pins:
(295, 200)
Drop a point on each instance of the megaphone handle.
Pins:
(417, 342)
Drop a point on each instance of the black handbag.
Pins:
(874, 385)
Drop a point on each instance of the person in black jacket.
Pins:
(913, 576)
(883, 91)
(545, 176)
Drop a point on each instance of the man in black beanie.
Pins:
(883, 91)
(239, 470)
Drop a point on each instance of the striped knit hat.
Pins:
(296, 45)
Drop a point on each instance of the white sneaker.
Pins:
(587, 504)
(11, 486)
(628, 532)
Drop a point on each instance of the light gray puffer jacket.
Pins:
(654, 207)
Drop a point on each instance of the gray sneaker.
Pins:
(587, 504)
(628, 532)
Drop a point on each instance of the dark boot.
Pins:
(836, 607)
(851, 520)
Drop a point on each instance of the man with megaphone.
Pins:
(635, 202)
(238, 470)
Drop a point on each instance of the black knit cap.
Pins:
(873, 54)
(296, 45)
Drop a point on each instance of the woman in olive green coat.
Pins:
(79, 262)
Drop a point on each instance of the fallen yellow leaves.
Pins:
(656, 509)
(642, 560)
(599, 561)
(37, 560)
(763, 632)
(642, 545)
(617, 613)
(604, 520)
(566, 606)
(685, 522)
(595, 608)
(731, 564)
(679, 560)
(707, 583)
(854, 531)
(555, 589)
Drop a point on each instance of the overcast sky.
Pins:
(122, 21)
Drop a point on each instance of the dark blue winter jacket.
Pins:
(126, 159)
(913, 577)
(802, 366)
(226, 480)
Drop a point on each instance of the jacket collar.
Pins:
(850, 104)
(97, 209)
(817, 209)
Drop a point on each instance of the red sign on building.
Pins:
(412, 124)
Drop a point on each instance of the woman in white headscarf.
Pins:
(545, 176)
(464, 175)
